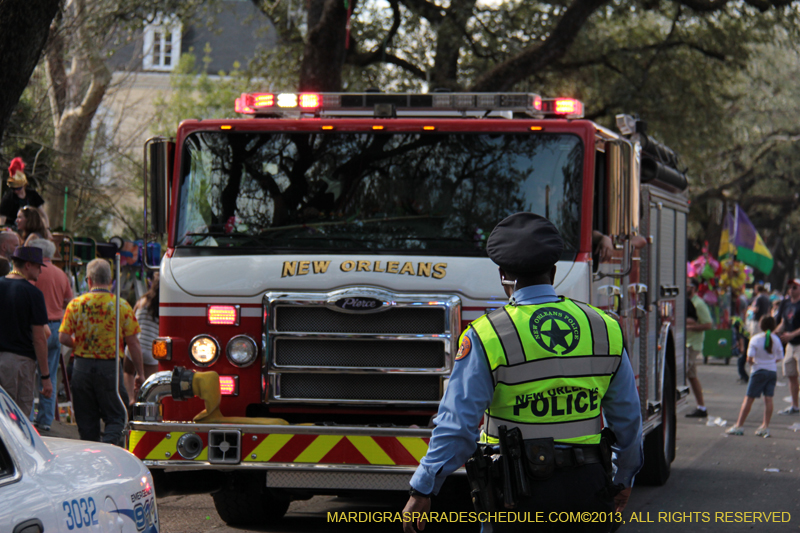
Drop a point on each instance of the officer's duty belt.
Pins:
(543, 457)
(566, 457)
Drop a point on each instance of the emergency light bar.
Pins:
(383, 103)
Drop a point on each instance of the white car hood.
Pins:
(70, 458)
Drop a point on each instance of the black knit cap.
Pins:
(525, 244)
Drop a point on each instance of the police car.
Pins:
(49, 484)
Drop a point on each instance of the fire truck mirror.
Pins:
(160, 153)
(623, 189)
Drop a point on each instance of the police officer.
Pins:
(546, 365)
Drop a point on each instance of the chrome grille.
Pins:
(419, 320)
(360, 387)
(360, 353)
(319, 353)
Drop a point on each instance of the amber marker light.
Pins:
(226, 127)
(162, 349)
(327, 127)
(429, 128)
(536, 128)
(377, 127)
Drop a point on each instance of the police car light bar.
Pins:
(528, 103)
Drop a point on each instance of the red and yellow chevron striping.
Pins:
(287, 448)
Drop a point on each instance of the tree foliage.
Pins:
(79, 157)
(758, 165)
(713, 78)
(686, 67)
(197, 94)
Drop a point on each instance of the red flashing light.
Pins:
(567, 106)
(223, 315)
(537, 103)
(244, 104)
(263, 99)
(229, 385)
(309, 101)
(247, 103)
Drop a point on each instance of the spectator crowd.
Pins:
(765, 334)
(40, 314)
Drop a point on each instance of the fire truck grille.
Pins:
(360, 353)
(392, 321)
(318, 353)
(365, 387)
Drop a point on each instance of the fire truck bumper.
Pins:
(322, 457)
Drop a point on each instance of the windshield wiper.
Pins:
(295, 241)
(220, 234)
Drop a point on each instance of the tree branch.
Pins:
(747, 176)
(324, 52)
(449, 38)
(56, 74)
(367, 58)
(605, 59)
(535, 57)
(362, 60)
(427, 10)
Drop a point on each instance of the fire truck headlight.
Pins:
(241, 350)
(204, 350)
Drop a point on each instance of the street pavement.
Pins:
(717, 473)
(713, 474)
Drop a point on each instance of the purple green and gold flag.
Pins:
(740, 238)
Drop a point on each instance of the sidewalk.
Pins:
(61, 430)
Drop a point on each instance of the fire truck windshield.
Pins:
(385, 192)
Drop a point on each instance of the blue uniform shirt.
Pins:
(470, 392)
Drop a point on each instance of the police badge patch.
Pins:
(555, 330)
(464, 349)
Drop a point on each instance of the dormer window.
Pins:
(162, 44)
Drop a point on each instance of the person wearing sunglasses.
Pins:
(20, 194)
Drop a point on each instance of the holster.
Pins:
(540, 458)
(481, 472)
(607, 439)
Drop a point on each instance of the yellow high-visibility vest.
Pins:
(551, 366)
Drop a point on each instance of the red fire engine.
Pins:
(325, 252)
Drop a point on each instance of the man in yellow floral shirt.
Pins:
(88, 328)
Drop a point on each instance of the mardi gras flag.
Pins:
(740, 239)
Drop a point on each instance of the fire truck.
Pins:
(325, 252)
